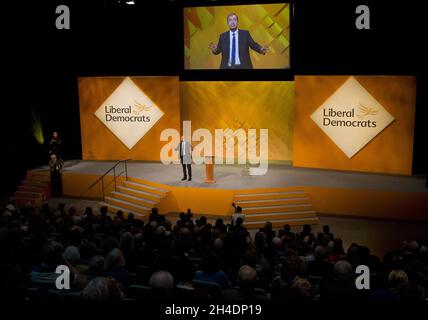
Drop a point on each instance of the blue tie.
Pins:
(233, 49)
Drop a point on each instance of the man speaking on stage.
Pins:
(185, 152)
(234, 46)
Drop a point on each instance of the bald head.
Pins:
(247, 275)
(161, 280)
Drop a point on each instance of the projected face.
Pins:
(232, 21)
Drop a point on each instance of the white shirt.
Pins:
(183, 149)
(235, 217)
(237, 61)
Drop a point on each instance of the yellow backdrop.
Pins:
(259, 105)
(391, 151)
(268, 25)
(99, 143)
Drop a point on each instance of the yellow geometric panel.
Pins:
(245, 22)
(247, 104)
(280, 44)
(192, 28)
(262, 34)
(205, 17)
(268, 22)
(275, 30)
(283, 18)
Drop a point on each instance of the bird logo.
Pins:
(139, 107)
(366, 111)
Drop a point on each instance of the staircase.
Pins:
(35, 189)
(290, 206)
(136, 196)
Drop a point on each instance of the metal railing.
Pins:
(115, 176)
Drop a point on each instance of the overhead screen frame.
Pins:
(285, 74)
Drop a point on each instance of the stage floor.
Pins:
(330, 192)
(277, 176)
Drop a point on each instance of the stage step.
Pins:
(23, 201)
(270, 195)
(290, 206)
(38, 177)
(38, 172)
(138, 193)
(145, 188)
(113, 210)
(269, 202)
(277, 208)
(27, 194)
(136, 197)
(34, 189)
(280, 215)
(137, 200)
(128, 205)
(279, 223)
(30, 188)
(36, 183)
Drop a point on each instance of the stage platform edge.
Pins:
(367, 203)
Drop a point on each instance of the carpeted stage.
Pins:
(233, 176)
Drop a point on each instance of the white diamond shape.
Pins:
(131, 128)
(350, 97)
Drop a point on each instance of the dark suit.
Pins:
(245, 41)
(185, 158)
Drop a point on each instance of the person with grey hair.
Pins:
(102, 289)
(318, 265)
(161, 280)
(396, 278)
(247, 282)
(162, 286)
(343, 270)
(217, 244)
(96, 268)
(116, 268)
(72, 254)
(342, 286)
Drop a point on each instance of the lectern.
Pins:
(209, 169)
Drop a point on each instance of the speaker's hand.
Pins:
(212, 46)
(265, 49)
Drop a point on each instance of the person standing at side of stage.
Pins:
(238, 214)
(55, 145)
(55, 165)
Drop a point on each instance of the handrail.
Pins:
(114, 175)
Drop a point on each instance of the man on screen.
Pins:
(234, 46)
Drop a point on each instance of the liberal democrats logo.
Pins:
(129, 113)
(351, 117)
